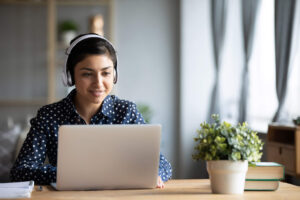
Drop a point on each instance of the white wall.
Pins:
(146, 37)
(196, 79)
(161, 45)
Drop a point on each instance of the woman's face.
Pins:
(94, 78)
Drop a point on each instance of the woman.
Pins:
(91, 66)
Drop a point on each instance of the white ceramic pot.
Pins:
(67, 36)
(227, 177)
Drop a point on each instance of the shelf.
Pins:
(83, 2)
(283, 146)
(280, 126)
(23, 2)
(54, 62)
(59, 2)
(7, 103)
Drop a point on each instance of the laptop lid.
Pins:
(107, 156)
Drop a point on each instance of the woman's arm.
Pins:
(30, 162)
(165, 169)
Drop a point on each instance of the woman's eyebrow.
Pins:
(86, 68)
(105, 68)
(90, 69)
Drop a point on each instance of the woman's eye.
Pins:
(106, 73)
(86, 74)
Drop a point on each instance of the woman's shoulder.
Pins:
(53, 107)
(126, 110)
(123, 103)
(64, 104)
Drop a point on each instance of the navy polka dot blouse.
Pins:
(42, 138)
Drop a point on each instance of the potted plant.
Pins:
(227, 150)
(146, 112)
(297, 121)
(67, 30)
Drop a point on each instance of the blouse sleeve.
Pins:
(30, 162)
(165, 169)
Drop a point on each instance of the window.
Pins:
(262, 98)
(263, 101)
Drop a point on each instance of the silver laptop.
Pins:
(107, 157)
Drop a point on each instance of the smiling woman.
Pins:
(94, 81)
(92, 67)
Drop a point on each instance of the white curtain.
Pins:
(249, 14)
(218, 25)
(284, 22)
(291, 107)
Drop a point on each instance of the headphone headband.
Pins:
(83, 38)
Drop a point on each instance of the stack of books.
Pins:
(264, 176)
(16, 189)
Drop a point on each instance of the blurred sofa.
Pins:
(11, 140)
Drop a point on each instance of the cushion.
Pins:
(8, 141)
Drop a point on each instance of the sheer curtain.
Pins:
(262, 100)
(291, 106)
(249, 13)
(284, 21)
(218, 18)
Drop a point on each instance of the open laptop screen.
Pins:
(107, 156)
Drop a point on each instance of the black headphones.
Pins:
(67, 78)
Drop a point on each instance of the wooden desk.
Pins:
(175, 189)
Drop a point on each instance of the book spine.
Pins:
(249, 179)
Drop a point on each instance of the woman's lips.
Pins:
(97, 93)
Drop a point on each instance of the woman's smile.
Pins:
(97, 93)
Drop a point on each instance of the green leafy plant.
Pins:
(146, 112)
(67, 25)
(223, 141)
(297, 121)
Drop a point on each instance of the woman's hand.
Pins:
(160, 183)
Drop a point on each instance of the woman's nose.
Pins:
(99, 79)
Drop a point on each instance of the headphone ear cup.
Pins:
(69, 79)
(115, 76)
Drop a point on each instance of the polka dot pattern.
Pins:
(41, 140)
